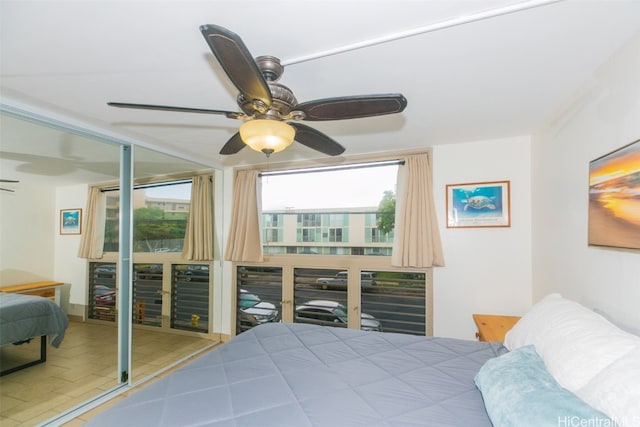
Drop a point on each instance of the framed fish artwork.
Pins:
(479, 204)
(70, 221)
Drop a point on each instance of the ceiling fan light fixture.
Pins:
(267, 136)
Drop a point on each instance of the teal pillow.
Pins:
(519, 391)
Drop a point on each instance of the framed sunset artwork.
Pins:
(614, 198)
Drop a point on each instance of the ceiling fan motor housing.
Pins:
(283, 99)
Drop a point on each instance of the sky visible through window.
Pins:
(179, 191)
(351, 188)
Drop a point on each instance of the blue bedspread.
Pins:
(307, 375)
(23, 317)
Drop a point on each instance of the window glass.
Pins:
(348, 211)
(159, 217)
(259, 297)
(320, 297)
(335, 234)
(102, 291)
(190, 297)
(147, 294)
(396, 299)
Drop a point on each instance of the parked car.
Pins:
(197, 273)
(105, 296)
(254, 311)
(330, 313)
(106, 271)
(147, 271)
(340, 280)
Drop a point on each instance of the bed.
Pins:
(25, 317)
(309, 375)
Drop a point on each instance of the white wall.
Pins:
(69, 268)
(27, 225)
(488, 270)
(31, 245)
(604, 117)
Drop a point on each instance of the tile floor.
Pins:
(83, 367)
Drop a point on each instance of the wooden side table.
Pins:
(493, 327)
(46, 289)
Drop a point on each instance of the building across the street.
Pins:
(350, 231)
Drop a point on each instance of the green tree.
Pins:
(151, 225)
(386, 218)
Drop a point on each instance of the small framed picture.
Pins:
(478, 204)
(70, 221)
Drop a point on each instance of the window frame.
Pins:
(290, 260)
(155, 181)
(167, 260)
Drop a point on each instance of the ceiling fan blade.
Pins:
(352, 107)
(237, 62)
(233, 145)
(316, 140)
(8, 180)
(6, 189)
(229, 114)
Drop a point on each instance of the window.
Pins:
(190, 297)
(102, 291)
(320, 297)
(307, 235)
(335, 234)
(337, 220)
(272, 228)
(271, 220)
(349, 229)
(147, 294)
(309, 220)
(160, 217)
(167, 293)
(335, 209)
(396, 299)
(271, 235)
(189, 294)
(259, 296)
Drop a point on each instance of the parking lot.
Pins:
(399, 310)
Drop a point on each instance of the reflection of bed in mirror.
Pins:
(26, 317)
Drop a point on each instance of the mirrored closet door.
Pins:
(48, 171)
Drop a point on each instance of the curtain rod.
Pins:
(461, 20)
(155, 184)
(332, 168)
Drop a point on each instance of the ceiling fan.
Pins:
(8, 180)
(270, 111)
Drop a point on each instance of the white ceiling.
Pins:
(46, 155)
(497, 77)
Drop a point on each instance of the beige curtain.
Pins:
(417, 238)
(198, 239)
(92, 239)
(244, 242)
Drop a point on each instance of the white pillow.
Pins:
(634, 330)
(532, 326)
(616, 390)
(574, 342)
